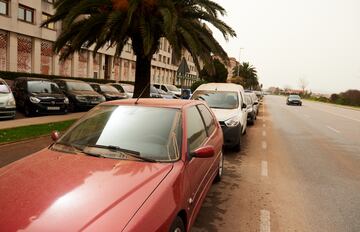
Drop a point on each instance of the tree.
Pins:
(104, 23)
(219, 74)
(248, 73)
(303, 83)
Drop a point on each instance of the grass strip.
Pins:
(32, 131)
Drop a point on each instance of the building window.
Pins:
(4, 7)
(26, 14)
(24, 54)
(46, 57)
(49, 25)
(3, 50)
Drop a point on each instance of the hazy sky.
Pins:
(286, 40)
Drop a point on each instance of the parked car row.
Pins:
(35, 96)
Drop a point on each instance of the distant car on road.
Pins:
(7, 101)
(228, 104)
(122, 167)
(108, 91)
(124, 88)
(293, 99)
(81, 95)
(39, 96)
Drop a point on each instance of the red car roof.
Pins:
(168, 103)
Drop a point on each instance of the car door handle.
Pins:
(191, 201)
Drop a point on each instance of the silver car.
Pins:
(7, 101)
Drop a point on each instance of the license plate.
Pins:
(53, 108)
(95, 102)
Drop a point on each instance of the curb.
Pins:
(23, 140)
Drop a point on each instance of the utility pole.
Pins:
(238, 69)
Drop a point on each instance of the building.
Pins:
(26, 47)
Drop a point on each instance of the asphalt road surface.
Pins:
(299, 170)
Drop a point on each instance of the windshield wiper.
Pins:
(134, 154)
(73, 147)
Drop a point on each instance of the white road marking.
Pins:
(333, 129)
(339, 115)
(264, 133)
(264, 125)
(264, 221)
(264, 145)
(264, 168)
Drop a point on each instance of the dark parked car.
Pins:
(81, 95)
(294, 100)
(123, 167)
(39, 96)
(108, 91)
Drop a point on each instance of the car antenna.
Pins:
(142, 92)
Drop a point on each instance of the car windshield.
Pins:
(108, 88)
(172, 88)
(128, 127)
(118, 87)
(295, 97)
(42, 87)
(78, 86)
(4, 88)
(218, 99)
(128, 88)
(153, 89)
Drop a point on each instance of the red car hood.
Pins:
(52, 191)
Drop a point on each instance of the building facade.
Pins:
(27, 47)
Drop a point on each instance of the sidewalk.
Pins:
(38, 120)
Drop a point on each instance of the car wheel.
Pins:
(237, 146)
(177, 225)
(27, 111)
(220, 169)
(71, 107)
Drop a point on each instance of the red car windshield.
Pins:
(153, 133)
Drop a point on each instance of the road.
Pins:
(298, 171)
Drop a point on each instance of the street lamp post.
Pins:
(238, 70)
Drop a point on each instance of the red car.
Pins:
(124, 166)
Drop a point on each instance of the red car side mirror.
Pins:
(55, 135)
(204, 152)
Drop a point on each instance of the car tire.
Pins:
(27, 111)
(71, 107)
(237, 146)
(177, 225)
(220, 169)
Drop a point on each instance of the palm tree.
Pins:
(248, 73)
(101, 23)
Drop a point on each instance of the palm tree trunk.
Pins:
(142, 77)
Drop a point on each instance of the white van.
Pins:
(228, 104)
(7, 101)
(169, 89)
